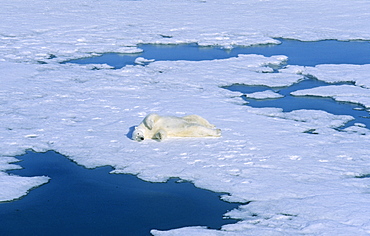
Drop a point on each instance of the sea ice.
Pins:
(295, 182)
(267, 94)
(337, 73)
(14, 187)
(341, 93)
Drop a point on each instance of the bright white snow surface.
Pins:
(297, 182)
(267, 94)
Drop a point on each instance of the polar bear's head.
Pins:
(138, 134)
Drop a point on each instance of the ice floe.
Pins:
(264, 95)
(295, 182)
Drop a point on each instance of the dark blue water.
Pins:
(299, 53)
(80, 201)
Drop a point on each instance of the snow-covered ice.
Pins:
(296, 182)
(341, 93)
(13, 186)
(267, 94)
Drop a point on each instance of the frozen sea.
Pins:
(301, 172)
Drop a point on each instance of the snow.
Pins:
(337, 73)
(295, 182)
(14, 187)
(267, 94)
(341, 93)
(142, 61)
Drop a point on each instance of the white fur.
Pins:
(160, 127)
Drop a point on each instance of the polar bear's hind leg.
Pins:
(201, 131)
(198, 120)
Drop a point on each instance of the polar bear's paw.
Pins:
(210, 126)
(160, 135)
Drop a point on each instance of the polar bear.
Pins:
(159, 127)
